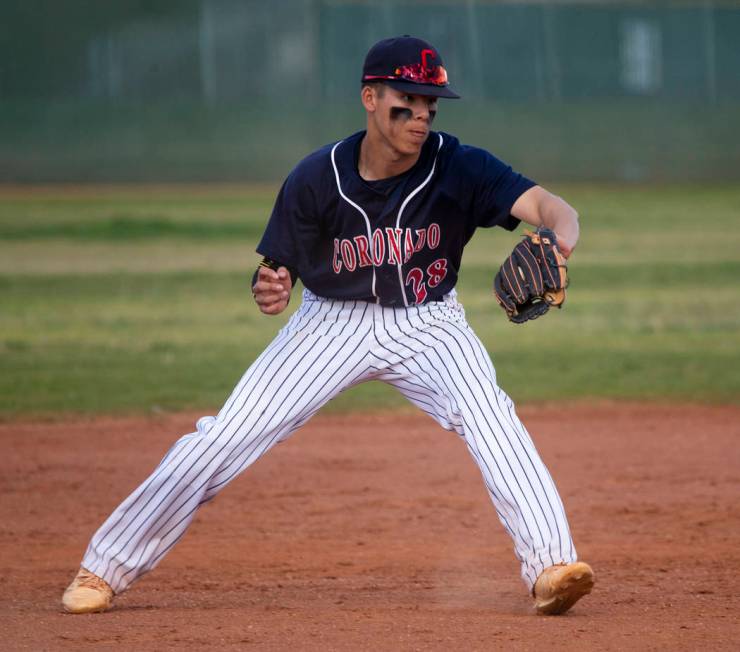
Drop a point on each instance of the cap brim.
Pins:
(422, 89)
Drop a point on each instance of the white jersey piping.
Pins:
(398, 220)
(359, 208)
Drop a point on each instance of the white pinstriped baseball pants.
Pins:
(429, 353)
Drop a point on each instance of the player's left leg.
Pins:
(450, 376)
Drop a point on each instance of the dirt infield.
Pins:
(375, 533)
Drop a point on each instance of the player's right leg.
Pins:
(320, 352)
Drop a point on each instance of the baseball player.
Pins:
(374, 226)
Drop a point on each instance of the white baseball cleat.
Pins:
(88, 593)
(559, 587)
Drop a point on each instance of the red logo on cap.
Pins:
(424, 54)
(417, 73)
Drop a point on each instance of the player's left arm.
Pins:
(539, 207)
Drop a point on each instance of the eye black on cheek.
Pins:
(401, 113)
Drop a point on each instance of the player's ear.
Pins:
(369, 96)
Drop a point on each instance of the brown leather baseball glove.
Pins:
(533, 278)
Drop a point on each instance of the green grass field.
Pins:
(137, 299)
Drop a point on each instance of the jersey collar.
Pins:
(345, 158)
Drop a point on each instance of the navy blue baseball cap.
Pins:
(409, 65)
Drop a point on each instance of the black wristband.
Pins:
(274, 265)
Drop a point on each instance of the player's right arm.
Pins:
(292, 233)
(272, 289)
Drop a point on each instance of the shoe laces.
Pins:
(89, 580)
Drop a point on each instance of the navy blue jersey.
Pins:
(397, 241)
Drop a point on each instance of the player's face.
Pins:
(404, 120)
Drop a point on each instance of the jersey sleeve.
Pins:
(293, 228)
(496, 190)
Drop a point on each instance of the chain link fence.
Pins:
(201, 90)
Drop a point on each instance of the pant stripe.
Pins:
(499, 502)
(471, 393)
(177, 502)
(297, 354)
(528, 473)
(472, 431)
(498, 434)
(557, 512)
(564, 537)
(330, 382)
(504, 520)
(183, 453)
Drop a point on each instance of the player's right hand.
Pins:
(272, 290)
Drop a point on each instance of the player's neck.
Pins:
(380, 160)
